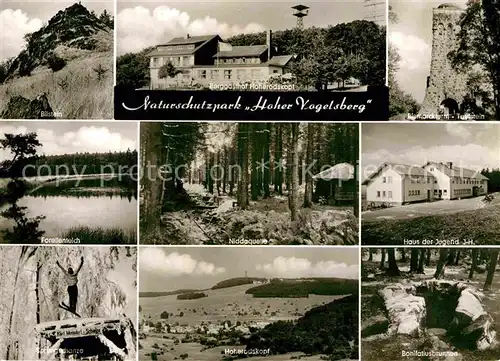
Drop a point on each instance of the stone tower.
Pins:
(445, 87)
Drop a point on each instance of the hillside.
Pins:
(237, 281)
(325, 329)
(80, 44)
(305, 287)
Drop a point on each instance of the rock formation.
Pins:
(470, 323)
(20, 107)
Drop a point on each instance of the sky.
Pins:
(72, 137)
(412, 36)
(172, 268)
(18, 18)
(472, 146)
(144, 23)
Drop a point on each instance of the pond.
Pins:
(74, 208)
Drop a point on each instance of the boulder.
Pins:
(20, 107)
(406, 311)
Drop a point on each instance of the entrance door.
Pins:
(428, 194)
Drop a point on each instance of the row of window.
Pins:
(239, 60)
(459, 192)
(414, 192)
(177, 47)
(467, 181)
(384, 194)
(175, 60)
(229, 74)
(418, 180)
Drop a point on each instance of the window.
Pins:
(445, 191)
(241, 74)
(378, 194)
(214, 74)
(383, 194)
(384, 180)
(186, 60)
(390, 194)
(155, 61)
(389, 180)
(202, 74)
(275, 71)
(227, 74)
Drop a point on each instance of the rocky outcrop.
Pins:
(20, 107)
(470, 323)
(406, 310)
(74, 27)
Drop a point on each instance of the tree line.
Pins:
(250, 161)
(422, 257)
(79, 163)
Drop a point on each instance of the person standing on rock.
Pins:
(71, 279)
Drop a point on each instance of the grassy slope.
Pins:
(480, 225)
(84, 97)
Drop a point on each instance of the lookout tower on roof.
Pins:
(301, 11)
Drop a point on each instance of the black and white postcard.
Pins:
(68, 303)
(249, 183)
(267, 304)
(267, 48)
(430, 304)
(56, 59)
(68, 182)
(430, 184)
(439, 63)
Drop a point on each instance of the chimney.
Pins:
(269, 35)
(449, 165)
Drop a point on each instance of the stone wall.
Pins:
(444, 82)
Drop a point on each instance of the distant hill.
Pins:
(162, 294)
(238, 281)
(326, 329)
(74, 28)
(304, 287)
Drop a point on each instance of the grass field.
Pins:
(226, 304)
(88, 235)
(75, 91)
(467, 221)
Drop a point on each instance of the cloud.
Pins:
(140, 27)
(414, 51)
(458, 130)
(176, 264)
(85, 139)
(472, 156)
(300, 267)
(14, 24)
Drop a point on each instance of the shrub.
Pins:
(55, 63)
(164, 315)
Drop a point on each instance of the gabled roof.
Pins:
(401, 169)
(457, 171)
(241, 51)
(280, 60)
(342, 171)
(191, 40)
(198, 41)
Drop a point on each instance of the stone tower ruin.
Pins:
(446, 88)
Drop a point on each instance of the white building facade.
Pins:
(397, 184)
